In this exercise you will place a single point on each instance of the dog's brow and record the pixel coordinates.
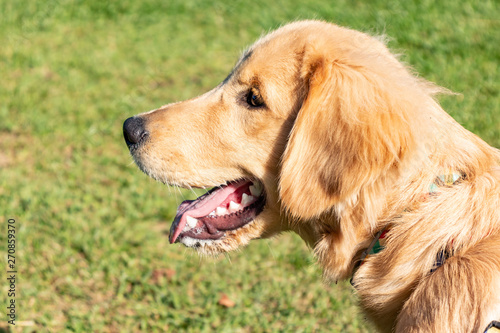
(246, 55)
(244, 58)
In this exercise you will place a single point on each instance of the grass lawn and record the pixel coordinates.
(92, 253)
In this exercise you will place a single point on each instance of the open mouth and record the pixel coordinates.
(225, 208)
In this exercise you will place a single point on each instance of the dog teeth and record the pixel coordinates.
(220, 211)
(212, 214)
(191, 222)
(247, 199)
(256, 189)
(234, 207)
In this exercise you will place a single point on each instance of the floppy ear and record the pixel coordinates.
(350, 130)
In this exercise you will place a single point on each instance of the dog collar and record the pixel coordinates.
(377, 245)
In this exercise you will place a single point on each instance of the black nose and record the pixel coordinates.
(133, 131)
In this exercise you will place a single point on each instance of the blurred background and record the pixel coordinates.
(92, 247)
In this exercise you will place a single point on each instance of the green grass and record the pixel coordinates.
(92, 251)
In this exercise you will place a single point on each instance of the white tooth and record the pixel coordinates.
(220, 211)
(233, 206)
(255, 189)
(191, 222)
(247, 199)
(212, 213)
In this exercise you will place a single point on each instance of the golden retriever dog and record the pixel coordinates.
(322, 131)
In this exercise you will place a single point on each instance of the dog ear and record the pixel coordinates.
(351, 129)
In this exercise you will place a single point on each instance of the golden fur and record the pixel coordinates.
(348, 142)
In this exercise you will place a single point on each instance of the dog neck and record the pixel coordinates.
(378, 242)
(353, 236)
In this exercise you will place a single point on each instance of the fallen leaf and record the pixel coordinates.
(226, 301)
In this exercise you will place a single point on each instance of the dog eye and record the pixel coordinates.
(254, 98)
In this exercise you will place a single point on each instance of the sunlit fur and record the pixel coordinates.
(348, 142)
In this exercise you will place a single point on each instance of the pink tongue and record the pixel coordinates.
(202, 206)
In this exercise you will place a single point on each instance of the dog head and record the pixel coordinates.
(310, 116)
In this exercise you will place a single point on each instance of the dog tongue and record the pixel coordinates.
(200, 207)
